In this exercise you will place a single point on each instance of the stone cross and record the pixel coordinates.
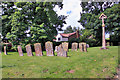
(5, 50)
(29, 50)
(20, 50)
(49, 48)
(38, 49)
(103, 16)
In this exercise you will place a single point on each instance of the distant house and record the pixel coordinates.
(66, 37)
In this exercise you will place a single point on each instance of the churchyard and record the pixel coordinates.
(32, 45)
(94, 63)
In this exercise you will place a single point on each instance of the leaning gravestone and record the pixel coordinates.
(5, 51)
(81, 47)
(29, 50)
(65, 46)
(49, 48)
(38, 49)
(61, 51)
(74, 46)
(20, 50)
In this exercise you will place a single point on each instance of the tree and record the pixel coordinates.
(7, 12)
(69, 29)
(34, 22)
(90, 19)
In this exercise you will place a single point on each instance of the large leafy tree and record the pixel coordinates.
(7, 12)
(34, 22)
(90, 18)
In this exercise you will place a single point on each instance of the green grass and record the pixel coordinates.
(83, 64)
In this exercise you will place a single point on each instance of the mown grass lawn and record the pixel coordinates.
(95, 63)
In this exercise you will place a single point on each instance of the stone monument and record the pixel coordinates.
(49, 48)
(29, 50)
(38, 49)
(74, 46)
(103, 16)
(20, 50)
(65, 46)
(5, 50)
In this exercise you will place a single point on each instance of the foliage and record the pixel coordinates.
(69, 29)
(8, 11)
(90, 21)
(33, 22)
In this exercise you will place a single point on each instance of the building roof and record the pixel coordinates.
(67, 35)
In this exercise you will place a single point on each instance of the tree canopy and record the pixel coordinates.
(90, 19)
(31, 22)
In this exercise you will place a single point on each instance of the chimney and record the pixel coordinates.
(77, 34)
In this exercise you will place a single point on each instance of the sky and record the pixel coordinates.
(72, 9)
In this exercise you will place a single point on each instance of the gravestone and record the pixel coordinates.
(81, 47)
(38, 49)
(5, 50)
(20, 50)
(65, 46)
(74, 46)
(49, 48)
(85, 47)
(29, 50)
(61, 51)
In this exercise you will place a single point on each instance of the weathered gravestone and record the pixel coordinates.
(85, 47)
(38, 49)
(29, 50)
(61, 51)
(20, 50)
(81, 47)
(74, 46)
(65, 46)
(5, 50)
(49, 48)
